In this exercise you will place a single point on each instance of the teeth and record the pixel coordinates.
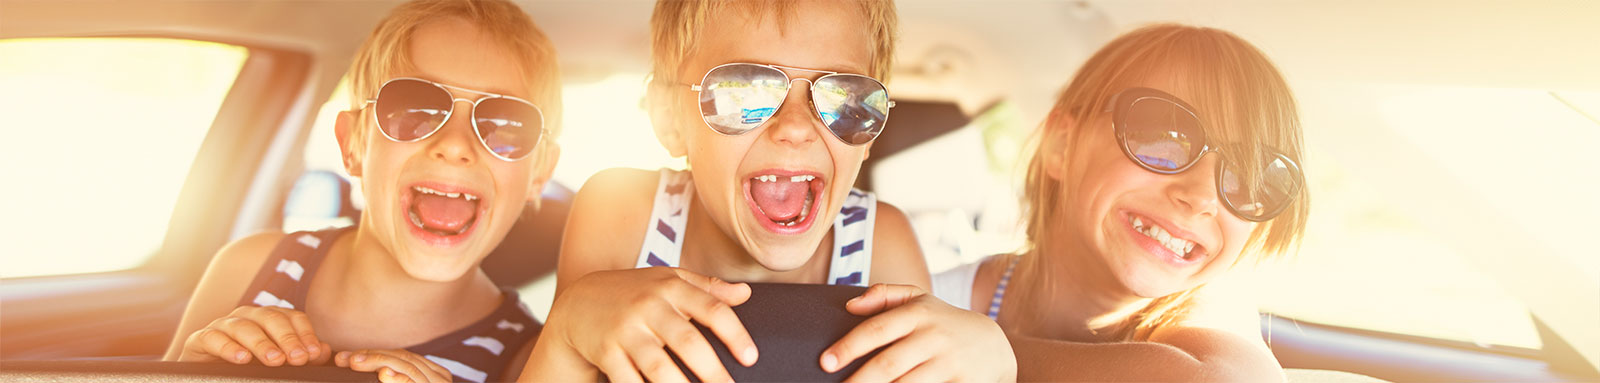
(774, 178)
(426, 190)
(1177, 245)
(802, 178)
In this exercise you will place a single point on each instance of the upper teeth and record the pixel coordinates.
(1177, 245)
(424, 189)
(774, 178)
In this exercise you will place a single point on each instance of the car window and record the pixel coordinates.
(101, 152)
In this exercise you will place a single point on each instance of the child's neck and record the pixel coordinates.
(1080, 303)
(364, 282)
(707, 251)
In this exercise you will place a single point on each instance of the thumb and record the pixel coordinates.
(733, 294)
(882, 297)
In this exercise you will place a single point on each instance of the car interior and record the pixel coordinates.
(1444, 145)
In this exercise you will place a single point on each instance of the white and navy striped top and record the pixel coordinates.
(478, 352)
(852, 230)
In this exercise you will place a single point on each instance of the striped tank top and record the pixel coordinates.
(478, 352)
(852, 230)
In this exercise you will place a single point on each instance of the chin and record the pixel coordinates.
(784, 258)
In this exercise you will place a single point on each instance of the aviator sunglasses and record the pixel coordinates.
(737, 98)
(1162, 134)
(412, 109)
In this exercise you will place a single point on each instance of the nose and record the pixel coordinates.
(1195, 190)
(454, 144)
(795, 124)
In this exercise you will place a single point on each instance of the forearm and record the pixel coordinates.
(1051, 360)
(552, 363)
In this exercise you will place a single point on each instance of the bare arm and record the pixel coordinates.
(230, 273)
(603, 229)
(896, 256)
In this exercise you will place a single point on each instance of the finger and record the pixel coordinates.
(693, 349)
(434, 371)
(342, 359)
(930, 371)
(652, 360)
(719, 317)
(619, 368)
(209, 344)
(280, 328)
(733, 294)
(373, 360)
(893, 362)
(388, 375)
(324, 356)
(249, 334)
(867, 336)
(882, 297)
(302, 327)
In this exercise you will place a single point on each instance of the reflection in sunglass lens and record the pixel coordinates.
(1161, 134)
(737, 98)
(854, 107)
(509, 128)
(408, 110)
(1263, 198)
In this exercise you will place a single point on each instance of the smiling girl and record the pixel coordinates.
(1172, 157)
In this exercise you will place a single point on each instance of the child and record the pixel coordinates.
(453, 103)
(1171, 157)
(775, 104)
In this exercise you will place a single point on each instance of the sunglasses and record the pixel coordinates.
(1162, 134)
(737, 98)
(412, 109)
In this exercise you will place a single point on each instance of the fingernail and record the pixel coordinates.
(313, 348)
(750, 354)
(274, 354)
(828, 361)
(240, 356)
(297, 354)
(361, 357)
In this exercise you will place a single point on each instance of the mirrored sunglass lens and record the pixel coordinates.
(1161, 134)
(408, 110)
(508, 127)
(854, 107)
(1264, 198)
(737, 98)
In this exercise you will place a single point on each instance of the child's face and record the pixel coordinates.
(1110, 191)
(794, 142)
(436, 237)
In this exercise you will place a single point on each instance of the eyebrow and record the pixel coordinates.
(835, 69)
(495, 90)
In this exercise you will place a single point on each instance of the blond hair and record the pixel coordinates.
(676, 24)
(1237, 93)
(387, 51)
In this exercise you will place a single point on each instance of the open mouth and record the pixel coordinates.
(784, 202)
(442, 214)
(1183, 249)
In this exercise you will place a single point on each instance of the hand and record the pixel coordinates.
(272, 335)
(393, 366)
(932, 340)
(619, 321)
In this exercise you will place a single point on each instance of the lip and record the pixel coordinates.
(431, 238)
(1152, 246)
(818, 189)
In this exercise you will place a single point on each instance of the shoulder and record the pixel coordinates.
(1223, 322)
(242, 258)
(605, 228)
(231, 272)
(896, 256)
(986, 279)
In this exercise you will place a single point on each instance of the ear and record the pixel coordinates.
(542, 171)
(343, 126)
(866, 150)
(660, 103)
(1056, 141)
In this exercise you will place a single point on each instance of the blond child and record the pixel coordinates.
(450, 131)
(775, 104)
(1170, 158)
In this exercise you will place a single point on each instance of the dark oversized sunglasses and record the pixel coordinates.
(412, 109)
(737, 98)
(1162, 134)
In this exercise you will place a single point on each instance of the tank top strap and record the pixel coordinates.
(285, 277)
(852, 240)
(669, 218)
(1000, 289)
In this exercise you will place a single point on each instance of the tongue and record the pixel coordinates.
(781, 200)
(444, 213)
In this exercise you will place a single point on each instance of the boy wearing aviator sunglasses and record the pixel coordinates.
(1169, 159)
(450, 136)
(775, 104)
